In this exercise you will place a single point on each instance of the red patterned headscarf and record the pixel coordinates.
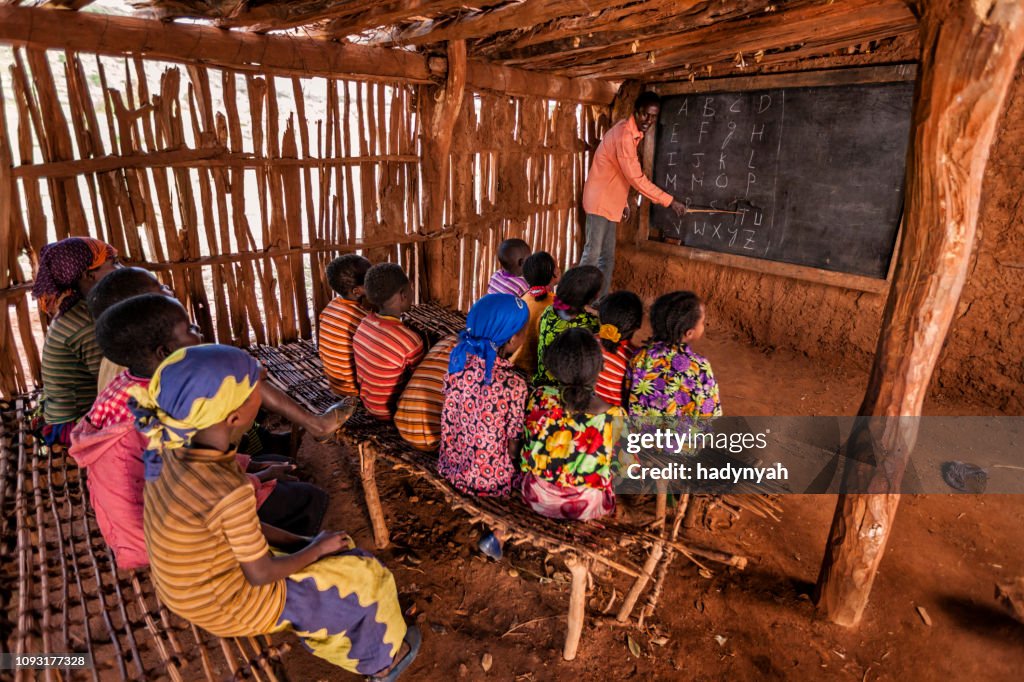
(61, 265)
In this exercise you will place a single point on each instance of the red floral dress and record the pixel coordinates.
(568, 458)
(478, 421)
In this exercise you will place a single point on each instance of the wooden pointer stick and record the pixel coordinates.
(711, 210)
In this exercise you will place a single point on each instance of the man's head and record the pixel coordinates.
(646, 110)
(387, 288)
(140, 332)
(511, 254)
(347, 274)
(120, 285)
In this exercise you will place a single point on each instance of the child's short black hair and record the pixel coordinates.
(119, 285)
(347, 272)
(579, 286)
(674, 314)
(510, 251)
(130, 332)
(623, 310)
(383, 281)
(539, 270)
(574, 359)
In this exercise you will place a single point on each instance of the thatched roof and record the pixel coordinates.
(612, 39)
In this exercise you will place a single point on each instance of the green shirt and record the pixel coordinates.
(71, 363)
(551, 325)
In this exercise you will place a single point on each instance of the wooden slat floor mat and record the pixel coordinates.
(60, 590)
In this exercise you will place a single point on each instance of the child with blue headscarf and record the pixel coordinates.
(210, 557)
(484, 398)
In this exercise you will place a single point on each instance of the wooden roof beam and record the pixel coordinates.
(692, 30)
(617, 26)
(821, 26)
(350, 16)
(487, 22)
(277, 54)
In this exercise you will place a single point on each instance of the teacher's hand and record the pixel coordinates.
(679, 207)
(625, 213)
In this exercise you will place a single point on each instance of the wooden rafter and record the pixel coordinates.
(509, 17)
(279, 54)
(620, 25)
(821, 26)
(345, 16)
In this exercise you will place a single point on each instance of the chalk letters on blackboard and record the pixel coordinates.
(801, 167)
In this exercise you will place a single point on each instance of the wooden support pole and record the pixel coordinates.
(580, 570)
(969, 51)
(368, 475)
(441, 111)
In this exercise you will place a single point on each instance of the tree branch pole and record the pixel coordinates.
(441, 111)
(969, 53)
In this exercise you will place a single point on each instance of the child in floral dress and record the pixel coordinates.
(667, 377)
(577, 289)
(571, 435)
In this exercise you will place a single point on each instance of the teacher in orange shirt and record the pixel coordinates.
(616, 168)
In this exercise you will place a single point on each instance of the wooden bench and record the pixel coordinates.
(641, 553)
(62, 592)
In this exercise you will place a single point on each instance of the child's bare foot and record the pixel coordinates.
(334, 417)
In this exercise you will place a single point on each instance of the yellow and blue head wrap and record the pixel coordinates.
(194, 388)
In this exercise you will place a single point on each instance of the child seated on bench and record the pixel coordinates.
(339, 321)
(508, 279)
(115, 287)
(484, 397)
(139, 333)
(385, 349)
(211, 558)
(67, 271)
(571, 435)
(576, 290)
(125, 283)
(667, 378)
(621, 313)
(418, 415)
(541, 274)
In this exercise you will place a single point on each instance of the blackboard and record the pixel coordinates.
(816, 172)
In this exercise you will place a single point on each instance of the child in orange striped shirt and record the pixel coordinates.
(385, 350)
(339, 321)
(621, 313)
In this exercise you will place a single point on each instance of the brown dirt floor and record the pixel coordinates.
(946, 553)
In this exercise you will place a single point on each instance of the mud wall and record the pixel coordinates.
(982, 362)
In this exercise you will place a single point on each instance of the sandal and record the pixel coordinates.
(342, 412)
(490, 545)
(413, 639)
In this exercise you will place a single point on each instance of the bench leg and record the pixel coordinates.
(580, 570)
(641, 583)
(368, 475)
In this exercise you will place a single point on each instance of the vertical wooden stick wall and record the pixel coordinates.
(238, 187)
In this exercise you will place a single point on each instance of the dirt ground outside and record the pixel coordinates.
(945, 555)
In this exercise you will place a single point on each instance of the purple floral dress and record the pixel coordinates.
(671, 380)
(477, 424)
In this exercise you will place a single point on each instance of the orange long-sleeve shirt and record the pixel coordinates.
(616, 168)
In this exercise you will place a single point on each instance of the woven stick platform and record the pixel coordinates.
(61, 591)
